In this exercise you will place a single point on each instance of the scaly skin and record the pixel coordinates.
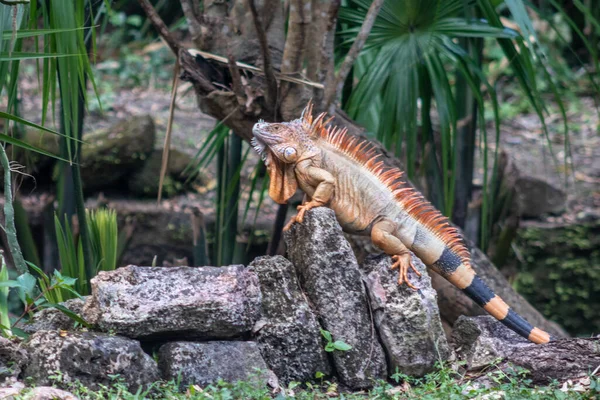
(340, 172)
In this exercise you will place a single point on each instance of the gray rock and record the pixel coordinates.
(178, 302)
(288, 332)
(207, 362)
(109, 155)
(330, 276)
(536, 197)
(13, 359)
(49, 393)
(51, 319)
(91, 358)
(482, 340)
(408, 321)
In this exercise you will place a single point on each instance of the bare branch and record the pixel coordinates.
(160, 26)
(271, 94)
(334, 90)
(192, 20)
(236, 79)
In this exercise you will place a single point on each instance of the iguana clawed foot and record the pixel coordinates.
(302, 209)
(403, 262)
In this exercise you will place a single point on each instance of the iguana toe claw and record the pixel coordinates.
(403, 262)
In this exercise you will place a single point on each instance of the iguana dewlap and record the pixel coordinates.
(339, 171)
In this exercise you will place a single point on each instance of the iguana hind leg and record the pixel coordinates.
(383, 237)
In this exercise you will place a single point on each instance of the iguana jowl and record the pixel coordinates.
(336, 170)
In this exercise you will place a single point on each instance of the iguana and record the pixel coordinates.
(344, 173)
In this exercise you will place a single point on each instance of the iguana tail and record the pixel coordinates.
(460, 274)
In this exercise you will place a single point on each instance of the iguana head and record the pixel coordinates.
(281, 145)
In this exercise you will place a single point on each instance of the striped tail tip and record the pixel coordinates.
(479, 292)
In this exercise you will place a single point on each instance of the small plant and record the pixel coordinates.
(104, 238)
(331, 346)
(4, 288)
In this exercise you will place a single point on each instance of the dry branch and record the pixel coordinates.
(334, 89)
(160, 26)
(272, 89)
(192, 20)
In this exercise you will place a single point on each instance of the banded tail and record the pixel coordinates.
(461, 275)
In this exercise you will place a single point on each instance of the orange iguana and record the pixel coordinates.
(339, 171)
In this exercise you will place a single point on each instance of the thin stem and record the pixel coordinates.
(334, 91)
(9, 215)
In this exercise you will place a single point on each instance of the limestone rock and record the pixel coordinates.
(49, 393)
(178, 302)
(482, 340)
(13, 359)
(92, 358)
(330, 276)
(288, 332)
(51, 319)
(207, 362)
(408, 321)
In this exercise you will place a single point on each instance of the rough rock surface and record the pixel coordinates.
(482, 340)
(562, 359)
(144, 182)
(207, 362)
(12, 359)
(92, 358)
(49, 393)
(536, 197)
(330, 275)
(408, 321)
(178, 302)
(288, 333)
(51, 319)
(128, 143)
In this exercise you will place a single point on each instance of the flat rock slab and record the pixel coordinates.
(407, 320)
(330, 276)
(207, 362)
(92, 358)
(288, 332)
(482, 340)
(179, 302)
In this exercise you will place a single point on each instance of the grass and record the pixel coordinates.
(444, 383)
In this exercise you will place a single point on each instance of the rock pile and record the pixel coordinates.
(318, 313)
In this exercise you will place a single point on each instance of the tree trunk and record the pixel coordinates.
(239, 103)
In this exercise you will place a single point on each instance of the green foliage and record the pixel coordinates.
(104, 237)
(444, 383)
(331, 345)
(559, 274)
(35, 293)
(4, 288)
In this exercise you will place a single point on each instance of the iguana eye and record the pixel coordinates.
(289, 153)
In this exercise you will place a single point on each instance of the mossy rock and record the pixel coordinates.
(560, 273)
(108, 155)
(111, 154)
(144, 182)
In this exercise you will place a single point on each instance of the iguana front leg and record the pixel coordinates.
(323, 183)
(383, 237)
